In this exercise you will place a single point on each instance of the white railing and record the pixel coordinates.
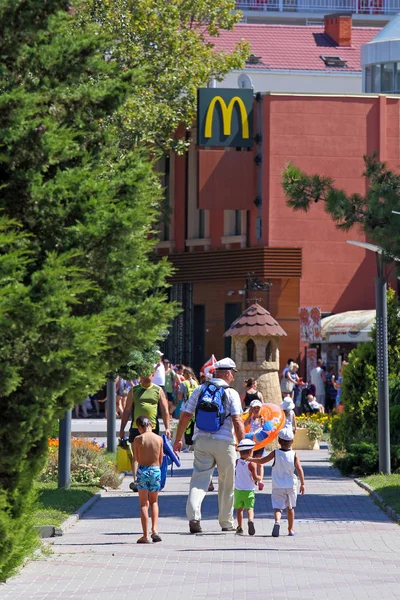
(370, 7)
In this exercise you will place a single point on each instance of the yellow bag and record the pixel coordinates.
(123, 460)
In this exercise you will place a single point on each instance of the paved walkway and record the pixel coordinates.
(345, 548)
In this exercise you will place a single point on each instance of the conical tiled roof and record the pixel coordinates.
(255, 320)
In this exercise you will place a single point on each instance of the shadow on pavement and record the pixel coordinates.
(312, 507)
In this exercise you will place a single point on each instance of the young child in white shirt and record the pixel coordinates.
(245, 479)
(284, 480)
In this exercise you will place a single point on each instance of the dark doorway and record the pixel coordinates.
(199, 335)
(233, 310)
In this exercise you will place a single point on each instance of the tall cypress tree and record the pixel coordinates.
(78, 291)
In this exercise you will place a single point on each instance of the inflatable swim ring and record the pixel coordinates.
(274, 420)
(169, 451)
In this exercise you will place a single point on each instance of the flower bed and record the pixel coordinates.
(90, 464)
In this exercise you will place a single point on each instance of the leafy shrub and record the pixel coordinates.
(323, 419)
(394, 391)
(314, 429)
(89, 464)
(394, 412)
(359, 460)
(362, 459)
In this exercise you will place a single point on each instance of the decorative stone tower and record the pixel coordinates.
(255, 350)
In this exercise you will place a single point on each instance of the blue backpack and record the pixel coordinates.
(210, 410)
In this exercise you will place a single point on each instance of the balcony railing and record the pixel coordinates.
(365, 7)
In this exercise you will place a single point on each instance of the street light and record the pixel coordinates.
(381, 356)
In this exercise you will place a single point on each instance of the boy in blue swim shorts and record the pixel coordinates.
(148, 450)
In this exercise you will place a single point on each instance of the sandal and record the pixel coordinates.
(155, 537)
(143, 540)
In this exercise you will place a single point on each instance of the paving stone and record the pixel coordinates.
(345, 547)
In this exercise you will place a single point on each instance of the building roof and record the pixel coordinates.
(390, 32)
(293, 47)
(255, 320)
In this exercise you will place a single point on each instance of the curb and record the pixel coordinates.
(79, 513)
(378, 499)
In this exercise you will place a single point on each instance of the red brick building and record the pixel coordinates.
(230, 218)
(218, 234)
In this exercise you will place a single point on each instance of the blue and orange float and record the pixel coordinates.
(274, 420)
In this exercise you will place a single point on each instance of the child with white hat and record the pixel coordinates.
(245, 479)
(284, 479)
(287, 405)
(256, 421)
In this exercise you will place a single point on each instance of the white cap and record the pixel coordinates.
(160, 353)
(287, 404)
(225, 364)
(245, 444)
(254, 403)
(286, 434)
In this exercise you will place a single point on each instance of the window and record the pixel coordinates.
(397, 78)
(202, 223)
(376, 78)
(232, 222)
(268, 352)
(165, 221)
(387, 77)
(251, 351)
(238, 222)
(334, 61)
(368, 79)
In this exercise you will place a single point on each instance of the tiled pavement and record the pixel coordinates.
(345, 548)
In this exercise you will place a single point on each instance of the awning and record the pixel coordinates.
(349, 327)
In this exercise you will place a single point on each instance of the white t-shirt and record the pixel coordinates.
(316, 379)
(243, 477)
(159, 375)
(233, 407)
(282, 473)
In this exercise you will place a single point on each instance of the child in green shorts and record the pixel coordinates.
(245, 479)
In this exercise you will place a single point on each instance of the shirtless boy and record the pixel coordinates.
(148, 451)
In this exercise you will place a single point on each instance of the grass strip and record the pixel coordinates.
(388, 487)
(54, 505)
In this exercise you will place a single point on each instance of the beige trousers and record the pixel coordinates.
(208, 453)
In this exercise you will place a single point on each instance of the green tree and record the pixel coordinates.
(359, 421)
(78, 289)
(173, 41)
(372, 212)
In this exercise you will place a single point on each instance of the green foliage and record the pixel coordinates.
(53, 505)
(388, 487)
(394, 416)
(140, 363)
(372, 212)
(314, 428)
(89, 465)
(363, 459)
(174, 42)
(359, 421)
(78, 289)
(360, 459)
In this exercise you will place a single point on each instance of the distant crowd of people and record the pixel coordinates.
(321, 394)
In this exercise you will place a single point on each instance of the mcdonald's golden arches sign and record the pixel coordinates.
(225, 117)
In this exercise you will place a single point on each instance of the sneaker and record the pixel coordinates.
(211, 487)
(195, 527)
(260, 485)
(239, 530)
(251, 528)
(275, 530)
(133, 486)
(230, 528)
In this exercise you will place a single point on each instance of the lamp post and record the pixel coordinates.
(381, 357)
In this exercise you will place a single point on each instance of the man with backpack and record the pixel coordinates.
(217, 409)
